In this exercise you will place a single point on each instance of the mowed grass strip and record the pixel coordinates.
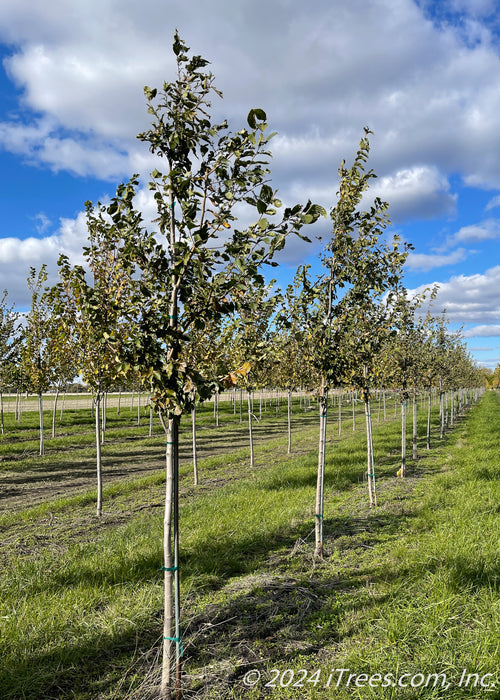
(81, 624)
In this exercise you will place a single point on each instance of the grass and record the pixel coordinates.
(410, 587)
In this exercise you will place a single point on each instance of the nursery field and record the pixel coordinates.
(404, 604)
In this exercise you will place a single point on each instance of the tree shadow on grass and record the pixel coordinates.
(272, 610)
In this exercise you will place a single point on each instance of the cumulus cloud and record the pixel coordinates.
(483, 331)
(470, 298)
(419, 192)
(484, 231)
(424, 261)
(493, 203)
(429, 96)
(17, 256)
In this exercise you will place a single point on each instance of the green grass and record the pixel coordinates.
(409, 587)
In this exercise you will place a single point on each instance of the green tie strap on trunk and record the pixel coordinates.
(177, 640)
(169, 568)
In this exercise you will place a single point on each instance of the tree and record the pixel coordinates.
(92, 312)
(38, 347)
(252, 345)
(403, 359)
(359, 268)
(9, 339)
(197, 267)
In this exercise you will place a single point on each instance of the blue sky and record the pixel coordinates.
(424, 76)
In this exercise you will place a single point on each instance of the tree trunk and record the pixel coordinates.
(250, 432)
(54, 411)
(103, 418)
(353, 412)
(429, 408)
(289, 414)
(195, 455)
(171, 622)
(415, 426)
(403, 438)
(150, 419)
(98, 453)
(318, 529)
(1, 412)
(63, 402)
(139, 406)
(340, 412)
(40, 411)
(372, 490)
(119, 402)
(441, 413)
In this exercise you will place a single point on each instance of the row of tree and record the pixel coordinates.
(185, 309)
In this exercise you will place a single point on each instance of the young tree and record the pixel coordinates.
(38, 347)
(402, 358)
(252, 344)
(360, 267)
(198, 267)
(92, 312)
(9, 338)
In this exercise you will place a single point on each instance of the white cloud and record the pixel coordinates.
(429, 96)
(480, 349)
(17, 256)
(483, 331)
(470, 299)
(486, 230)
(493, 203)
(423, 261)
(419, 192)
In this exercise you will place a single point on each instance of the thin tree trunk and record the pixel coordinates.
(372, 490)
(340, 412)
(195, 454)
(63, 402)
(241, 405)
(353, 412)
(139, 406)
(385, 408)
(103, 417)
(415, 426)
(318, 529)
(441, 413)
(289, 413)
(98, 453)
(250, 432)
(403, 438)
(18, 406)
(54, 411)
(171, 622)
(429, 408)
(119, 402)
(1, 412)
(40, 411)
(150, 420)
(216, 407)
